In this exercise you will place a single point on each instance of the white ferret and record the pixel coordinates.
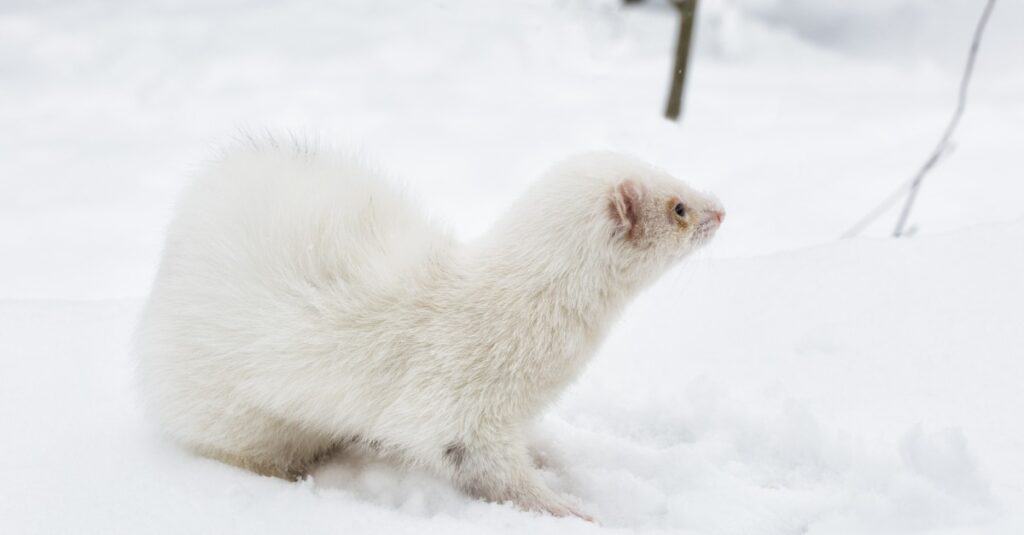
(302, 306)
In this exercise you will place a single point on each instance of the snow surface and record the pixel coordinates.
(781, 382)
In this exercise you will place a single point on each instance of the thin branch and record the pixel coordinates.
(942, 148)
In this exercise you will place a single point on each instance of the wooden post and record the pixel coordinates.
(687, 12)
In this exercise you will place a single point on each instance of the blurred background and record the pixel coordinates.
(800, 115)
(782, 382)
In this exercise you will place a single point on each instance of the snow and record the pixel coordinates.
(783, 381)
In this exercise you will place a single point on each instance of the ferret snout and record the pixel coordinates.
(713, 210)
(711, 219)
(715, 216)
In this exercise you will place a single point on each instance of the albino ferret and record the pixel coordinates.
(303, 305)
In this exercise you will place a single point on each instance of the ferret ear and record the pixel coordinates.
(625, 207)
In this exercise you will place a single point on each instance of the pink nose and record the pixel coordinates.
(719, 215)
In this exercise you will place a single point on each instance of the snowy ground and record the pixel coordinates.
(783, 382)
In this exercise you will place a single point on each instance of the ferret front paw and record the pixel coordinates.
(559, 507)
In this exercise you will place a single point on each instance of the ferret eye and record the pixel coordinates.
(680, 210)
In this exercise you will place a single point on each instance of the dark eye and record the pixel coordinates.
(680, 210)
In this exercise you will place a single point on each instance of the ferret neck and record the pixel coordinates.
(549, 278)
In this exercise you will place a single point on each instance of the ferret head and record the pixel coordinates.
(652, 211)
(639, 216)
(602, 218)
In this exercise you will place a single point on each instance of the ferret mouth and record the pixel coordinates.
(705, 230)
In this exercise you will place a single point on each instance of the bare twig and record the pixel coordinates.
(943, 146)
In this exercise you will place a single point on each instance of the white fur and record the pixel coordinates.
(302, 305)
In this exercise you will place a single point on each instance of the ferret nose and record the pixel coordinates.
(718, 215)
